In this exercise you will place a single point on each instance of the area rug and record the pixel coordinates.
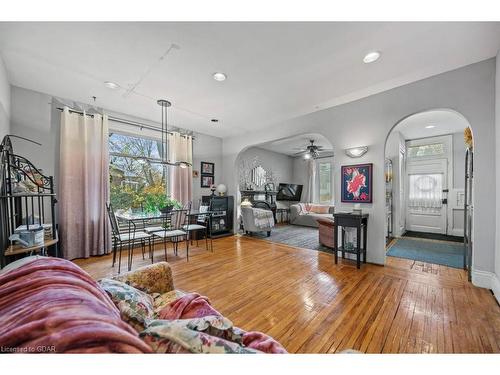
(294, 235)
(445, 253)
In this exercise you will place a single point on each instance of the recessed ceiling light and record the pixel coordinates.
(371, 57)
(430, 126)
(214, 120)
(219, 76)
(111, 85)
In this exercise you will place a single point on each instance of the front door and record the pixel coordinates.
(425, 208)
(427, 179)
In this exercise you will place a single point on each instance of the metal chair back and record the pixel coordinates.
(178, 218)
(115, 229)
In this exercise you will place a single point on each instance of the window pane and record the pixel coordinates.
(426, 150)
(135, 183)
(325, 182)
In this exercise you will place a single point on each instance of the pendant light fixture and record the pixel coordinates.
(164, 104)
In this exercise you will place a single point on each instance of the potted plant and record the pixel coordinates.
(160, 202)
(167, 204)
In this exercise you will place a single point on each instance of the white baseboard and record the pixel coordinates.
(487, 280)
(495, 287)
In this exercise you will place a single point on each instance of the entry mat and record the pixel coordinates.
(445, 253)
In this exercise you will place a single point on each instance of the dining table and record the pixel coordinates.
(132, 218)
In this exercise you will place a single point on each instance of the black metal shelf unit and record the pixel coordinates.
(27, 199)
(221, 221)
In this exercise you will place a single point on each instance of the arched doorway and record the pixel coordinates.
(427, 187)
(283, 173)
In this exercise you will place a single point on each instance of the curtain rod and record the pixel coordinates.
(123, 121)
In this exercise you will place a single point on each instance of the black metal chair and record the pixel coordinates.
(124, 238)
(174, 233)
(202, 225)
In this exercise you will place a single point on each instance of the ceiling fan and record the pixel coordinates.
(313, 151)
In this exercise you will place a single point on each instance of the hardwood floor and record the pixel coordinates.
(309, 304)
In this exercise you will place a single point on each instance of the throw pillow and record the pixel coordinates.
(136, 307)
(210, 334)
(320, 209)
(163, 300)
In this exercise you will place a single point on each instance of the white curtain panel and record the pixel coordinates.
(425, 190)
(84, 185)
(310, 188)
(180, 148)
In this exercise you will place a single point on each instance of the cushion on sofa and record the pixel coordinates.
(200, 335)
(165, 299)
(154, 278)
(136, 307)
(319, 208)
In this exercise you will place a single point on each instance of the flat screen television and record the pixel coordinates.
(289, 192)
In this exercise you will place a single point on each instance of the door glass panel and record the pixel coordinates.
(425, 191)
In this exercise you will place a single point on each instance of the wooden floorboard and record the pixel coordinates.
(309, 304)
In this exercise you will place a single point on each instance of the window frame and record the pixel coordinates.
(331, 176)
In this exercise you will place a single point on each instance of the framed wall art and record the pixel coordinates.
(207, 181)
(207, 168)
(357, 183)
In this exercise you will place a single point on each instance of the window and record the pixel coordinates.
(325, 183)
(426, 150)
(134, 182)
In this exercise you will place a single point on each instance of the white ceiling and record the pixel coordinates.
(290, 146)
(444, 121)
(275, 71)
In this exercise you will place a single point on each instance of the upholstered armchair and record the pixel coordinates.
(326, 231)
(257, 220)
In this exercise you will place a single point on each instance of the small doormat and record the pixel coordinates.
(445, 253)
(433, 236)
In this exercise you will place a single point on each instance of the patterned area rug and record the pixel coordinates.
(438, 252)
(294, 235)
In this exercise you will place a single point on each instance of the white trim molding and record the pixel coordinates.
(487, 280)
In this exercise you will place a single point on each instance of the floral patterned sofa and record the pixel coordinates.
(173, 321)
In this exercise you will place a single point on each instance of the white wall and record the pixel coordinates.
(31, 117)
(4, 101)
(209, 149)
(280, 164)
(496, 276)
(468, 90)
(34, 115)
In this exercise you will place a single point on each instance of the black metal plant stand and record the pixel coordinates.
(23, 207)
